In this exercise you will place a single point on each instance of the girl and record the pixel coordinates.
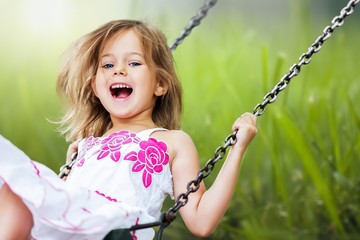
(124, 102)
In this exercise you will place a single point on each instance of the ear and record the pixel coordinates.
(93, 85)
(161, 89)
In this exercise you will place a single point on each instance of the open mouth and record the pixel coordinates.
(120, 90)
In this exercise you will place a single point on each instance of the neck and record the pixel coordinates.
(132, 126)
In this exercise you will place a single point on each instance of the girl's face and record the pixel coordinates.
(124, 83)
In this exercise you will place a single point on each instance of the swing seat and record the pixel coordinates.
(124, 233)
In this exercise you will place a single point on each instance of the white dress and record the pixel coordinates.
(117, 182)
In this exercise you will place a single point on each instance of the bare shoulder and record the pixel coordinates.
(172, 135)
(174, 138)
(178, 141)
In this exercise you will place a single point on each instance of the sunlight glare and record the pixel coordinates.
(44, 15)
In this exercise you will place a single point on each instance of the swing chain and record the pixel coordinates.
(305, 58)
(194, 185)
(65, 169)
(270, 97)
(194, 21)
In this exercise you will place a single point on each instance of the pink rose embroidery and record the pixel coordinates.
(81, 162)
(150, 159)
(112, 144)
(89, 143)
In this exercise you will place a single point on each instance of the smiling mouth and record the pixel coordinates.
(120, 90)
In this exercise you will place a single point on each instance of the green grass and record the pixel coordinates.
(299, 178)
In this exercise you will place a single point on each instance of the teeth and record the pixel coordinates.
(119, 86)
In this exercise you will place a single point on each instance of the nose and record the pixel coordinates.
(121, 71)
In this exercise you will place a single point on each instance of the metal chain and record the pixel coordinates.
(194, 185)
(65, 169)
(194, 21)
(305, 58)
(270, 97)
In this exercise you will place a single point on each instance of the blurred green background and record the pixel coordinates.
(300, 177)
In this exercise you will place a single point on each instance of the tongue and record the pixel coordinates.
(123, 93)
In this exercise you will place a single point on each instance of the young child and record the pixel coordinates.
(124, 106)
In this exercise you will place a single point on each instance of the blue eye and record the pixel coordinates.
(134, 64)
(108, 65)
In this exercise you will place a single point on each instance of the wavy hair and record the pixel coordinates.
(85, 115)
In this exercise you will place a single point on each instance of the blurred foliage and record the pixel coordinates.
(299, 178)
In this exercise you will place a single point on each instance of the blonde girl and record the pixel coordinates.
(124, 108)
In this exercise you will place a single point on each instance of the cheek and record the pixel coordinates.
(94, 85)
(98, 84)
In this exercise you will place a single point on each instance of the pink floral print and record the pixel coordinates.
(150, 159)
(89, 143)
(113, 143)
(81, 162)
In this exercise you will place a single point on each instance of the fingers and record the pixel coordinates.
(245, 119)
(251, 117)
(246, 129)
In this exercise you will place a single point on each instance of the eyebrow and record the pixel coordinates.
(127, 54)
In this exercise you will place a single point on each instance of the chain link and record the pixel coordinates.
(305, 58)
(65, 169)
(194, 21)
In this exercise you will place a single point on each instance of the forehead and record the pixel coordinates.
(123, 41)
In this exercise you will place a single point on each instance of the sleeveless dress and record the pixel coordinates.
(118, 181)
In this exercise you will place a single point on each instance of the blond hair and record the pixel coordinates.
(85, 115)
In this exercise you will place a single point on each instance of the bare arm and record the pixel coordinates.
(205, 208)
